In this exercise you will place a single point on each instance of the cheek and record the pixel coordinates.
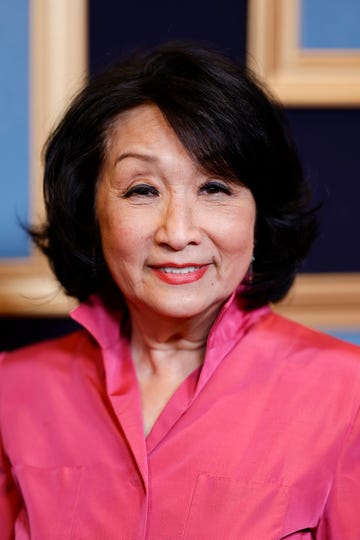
(235, 236)
(125, 245)
(122, 242)
(117, 231)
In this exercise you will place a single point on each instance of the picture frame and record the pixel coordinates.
(299, 76)
(324, 301)
(57, 69)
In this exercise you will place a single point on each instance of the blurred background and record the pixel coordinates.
(327, 136)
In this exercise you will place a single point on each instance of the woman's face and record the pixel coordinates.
(176, 240)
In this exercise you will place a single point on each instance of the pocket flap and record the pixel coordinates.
(233, 509)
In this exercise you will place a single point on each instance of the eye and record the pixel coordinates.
(141, 190)
(212, 187)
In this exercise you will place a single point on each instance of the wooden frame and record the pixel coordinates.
(298, 76)
(324, 301)
(58, 65)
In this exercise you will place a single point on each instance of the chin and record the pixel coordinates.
(186, 308)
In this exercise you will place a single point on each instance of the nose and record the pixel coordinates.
(177, 228)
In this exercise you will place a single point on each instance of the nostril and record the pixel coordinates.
(177, 234)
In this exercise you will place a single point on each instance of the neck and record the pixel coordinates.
(165, 344)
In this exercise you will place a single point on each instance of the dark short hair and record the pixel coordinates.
(229, 125)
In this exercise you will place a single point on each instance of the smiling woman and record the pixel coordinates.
(176, 210)
(184, 227)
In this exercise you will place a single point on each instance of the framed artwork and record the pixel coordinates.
(307, 51)
(308, 54)
(43, 57)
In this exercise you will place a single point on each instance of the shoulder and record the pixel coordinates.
(316, 376)
(50, 355)
(297, 335)
(310, 353)
(305, 355)
(35, 377)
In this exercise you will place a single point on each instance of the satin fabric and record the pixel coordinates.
(261, 443)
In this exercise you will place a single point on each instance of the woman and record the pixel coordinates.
(184, 408)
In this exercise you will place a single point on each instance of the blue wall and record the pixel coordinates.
(328, 24)
(352, 337)
(14, 126)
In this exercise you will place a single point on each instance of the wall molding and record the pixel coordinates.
(58, 68)
(324, 300)
(297, 76)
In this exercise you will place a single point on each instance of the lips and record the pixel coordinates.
(175, 274)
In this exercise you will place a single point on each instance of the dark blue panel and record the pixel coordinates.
(328, 142)
(17, 332)
(117, 28)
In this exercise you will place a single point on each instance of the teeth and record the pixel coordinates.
(186, 270)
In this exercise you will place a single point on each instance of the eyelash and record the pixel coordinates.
(214, 187)
(143, 190)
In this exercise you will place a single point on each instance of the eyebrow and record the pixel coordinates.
(135, 155)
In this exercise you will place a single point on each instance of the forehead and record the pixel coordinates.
(145, 130)
(138, 125)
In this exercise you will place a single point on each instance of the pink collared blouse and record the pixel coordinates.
(261, 443)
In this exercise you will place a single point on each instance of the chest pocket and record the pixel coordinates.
(50, 498)
(78, 503)
(224, 508)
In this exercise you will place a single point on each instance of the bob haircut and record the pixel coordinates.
(228, 124)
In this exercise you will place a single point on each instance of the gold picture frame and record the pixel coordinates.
(300, 77)
(58, 67)
(324, 300)
(297, 76)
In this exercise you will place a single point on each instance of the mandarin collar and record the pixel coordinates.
(105, 324)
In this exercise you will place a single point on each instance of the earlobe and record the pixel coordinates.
(249, 277)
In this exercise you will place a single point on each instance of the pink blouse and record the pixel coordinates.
(261, 443)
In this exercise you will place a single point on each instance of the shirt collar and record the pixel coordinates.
(101, 321)
(104, 323)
